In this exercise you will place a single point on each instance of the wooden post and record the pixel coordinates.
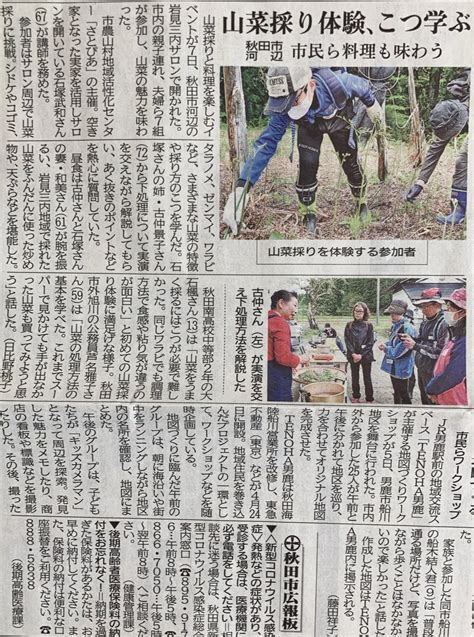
(236, 119)
(417, 137)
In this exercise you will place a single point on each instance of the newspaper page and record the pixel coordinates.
(235, 297)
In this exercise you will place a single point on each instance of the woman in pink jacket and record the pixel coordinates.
(448, 385)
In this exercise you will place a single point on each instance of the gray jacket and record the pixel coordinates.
(459, 89)
(432, 158)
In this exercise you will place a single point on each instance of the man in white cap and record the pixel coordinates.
(319, 100)
(432, 337)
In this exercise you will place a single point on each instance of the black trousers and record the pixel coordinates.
(366, 373)
(411, 384)
(424, 377)
(401, 390)
(310, 138)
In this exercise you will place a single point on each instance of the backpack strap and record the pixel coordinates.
(334, 85)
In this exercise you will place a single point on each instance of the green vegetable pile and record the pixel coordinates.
(313, 376)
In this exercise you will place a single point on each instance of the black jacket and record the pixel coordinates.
(432, 337)
(359, 338)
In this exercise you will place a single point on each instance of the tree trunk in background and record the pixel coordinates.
(236, 119)
(435, 79)
(311, 314)
(382, 164)
(417, 137)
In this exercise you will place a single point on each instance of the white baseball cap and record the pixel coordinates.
(283, 83)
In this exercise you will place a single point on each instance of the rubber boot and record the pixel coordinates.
(361, 210)
(310, 223)
(457, 215)
(307, 208)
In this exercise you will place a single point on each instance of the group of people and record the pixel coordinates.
(319, 101)
(436, 351)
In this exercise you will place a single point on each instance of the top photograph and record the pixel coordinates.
(344, 152)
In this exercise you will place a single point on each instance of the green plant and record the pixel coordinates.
(357, 225)
(305, 210)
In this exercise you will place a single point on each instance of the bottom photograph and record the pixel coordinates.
(368, 340)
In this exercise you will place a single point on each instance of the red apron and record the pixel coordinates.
(457, 395)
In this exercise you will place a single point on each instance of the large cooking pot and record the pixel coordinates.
(325, 393)
(339, 375)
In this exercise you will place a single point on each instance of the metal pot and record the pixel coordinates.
(325, 393)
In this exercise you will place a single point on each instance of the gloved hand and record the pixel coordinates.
(414, 191)
(234, 209)
(375, 112)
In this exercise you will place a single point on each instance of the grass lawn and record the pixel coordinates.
(339, 323)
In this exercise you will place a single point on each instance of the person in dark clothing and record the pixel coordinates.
(359, 338)
(448, 119)
(280, 359)
(431, 339)
(448, 385)
(330, 332)
(318, 102)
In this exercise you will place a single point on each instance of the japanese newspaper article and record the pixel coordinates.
(235, 339)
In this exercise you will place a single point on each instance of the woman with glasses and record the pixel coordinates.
(359, 338)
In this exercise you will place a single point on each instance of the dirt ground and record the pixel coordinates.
(383, 392)
(272, 208)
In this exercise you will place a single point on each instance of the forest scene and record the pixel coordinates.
(335, 297)
(272, 209)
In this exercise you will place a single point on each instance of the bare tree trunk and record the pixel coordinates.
(236, 119)
(417, 137)
(435, 78)
(311, 317)
(382, 165)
